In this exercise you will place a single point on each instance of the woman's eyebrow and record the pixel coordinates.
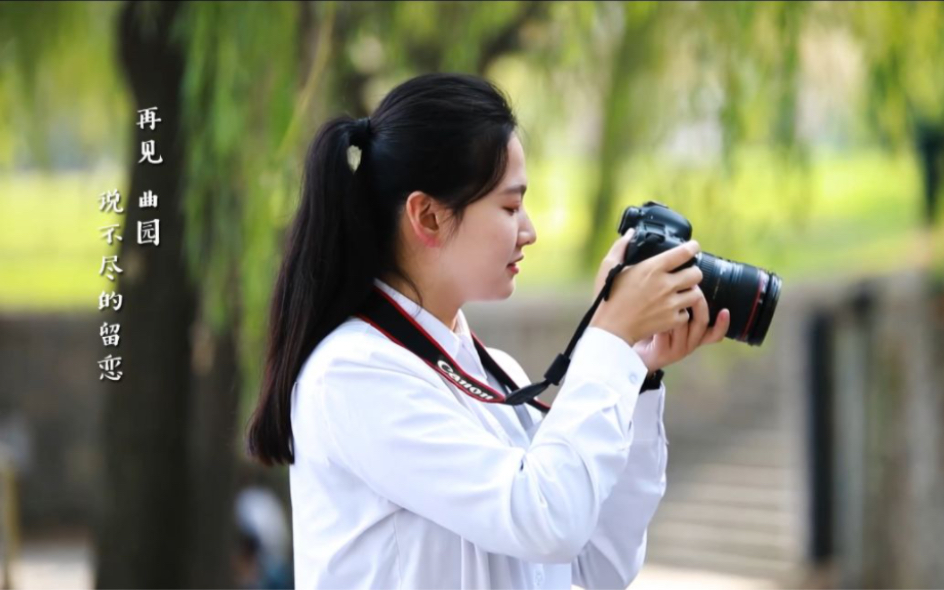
(518, 188)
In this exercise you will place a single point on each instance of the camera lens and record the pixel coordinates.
(748, 292)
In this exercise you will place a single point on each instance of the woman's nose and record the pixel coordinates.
(528, 234)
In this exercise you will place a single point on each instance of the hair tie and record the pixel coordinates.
(360, 135)
(361, 130)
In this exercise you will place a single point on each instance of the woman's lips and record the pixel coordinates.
(514, 265)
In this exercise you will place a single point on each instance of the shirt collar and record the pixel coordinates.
(450, 341)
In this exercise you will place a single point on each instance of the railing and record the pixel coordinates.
(877, 421)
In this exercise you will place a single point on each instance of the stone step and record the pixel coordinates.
(759, 419)
(722, 448)
(730, 495)
(730, 505)
(761, 519)
(748, 476)
(714, 437)
(746, 455)
(734, 541)
(712, 559)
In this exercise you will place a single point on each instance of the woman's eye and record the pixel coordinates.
(511, 209)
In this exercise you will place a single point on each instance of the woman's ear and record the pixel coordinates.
(426, 218)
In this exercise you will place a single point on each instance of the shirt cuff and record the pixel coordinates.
(610, 357)
(612, 369)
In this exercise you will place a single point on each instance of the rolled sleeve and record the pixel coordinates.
(616, 551)
(611, 358)
(616, 370)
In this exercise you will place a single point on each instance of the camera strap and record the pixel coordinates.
(555, 373)
(383, 313)
(390, 319)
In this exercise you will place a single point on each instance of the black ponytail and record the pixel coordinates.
(443, 134)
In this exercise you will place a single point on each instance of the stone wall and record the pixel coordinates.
(50, 413)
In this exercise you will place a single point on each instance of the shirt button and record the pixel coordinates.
(633, 378)
(539, 578)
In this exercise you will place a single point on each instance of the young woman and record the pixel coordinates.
(399, 478)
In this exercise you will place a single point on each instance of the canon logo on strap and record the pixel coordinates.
(391, 320)
(451, 373)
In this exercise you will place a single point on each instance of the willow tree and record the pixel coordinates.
(902, 48)
(661, 59)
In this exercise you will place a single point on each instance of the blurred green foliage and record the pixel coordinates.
(51, 246)
(863, 218)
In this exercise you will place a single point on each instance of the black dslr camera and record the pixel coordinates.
(750, 293)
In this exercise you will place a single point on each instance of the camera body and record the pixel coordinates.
(658, 229)
(750, 293)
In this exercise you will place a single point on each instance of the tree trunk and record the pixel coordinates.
(214, 410)
(629, 58)
(930, 147)
(170, 423)
(143, 521)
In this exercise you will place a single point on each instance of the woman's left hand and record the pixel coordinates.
(670, 347)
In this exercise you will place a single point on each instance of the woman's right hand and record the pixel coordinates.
(648, 298)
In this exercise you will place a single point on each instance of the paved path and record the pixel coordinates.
(66, 564)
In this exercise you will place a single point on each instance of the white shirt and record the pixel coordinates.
(402, 481)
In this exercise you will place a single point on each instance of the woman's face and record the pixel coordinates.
(479, 258)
